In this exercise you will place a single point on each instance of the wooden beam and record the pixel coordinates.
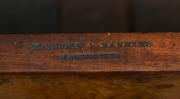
(89, 52)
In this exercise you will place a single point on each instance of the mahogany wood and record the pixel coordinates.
(17, 54)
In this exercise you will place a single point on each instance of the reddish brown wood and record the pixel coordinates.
(121, 85)
(16, 54)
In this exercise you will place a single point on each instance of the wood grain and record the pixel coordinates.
(123, 85)
(16, 54)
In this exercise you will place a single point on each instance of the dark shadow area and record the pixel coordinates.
(27, 16)
(45, 16)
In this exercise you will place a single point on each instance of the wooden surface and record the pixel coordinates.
(17, 54)
(127, 85)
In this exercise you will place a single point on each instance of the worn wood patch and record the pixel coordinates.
(89, 52)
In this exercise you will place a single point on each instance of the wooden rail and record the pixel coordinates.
(89, 52)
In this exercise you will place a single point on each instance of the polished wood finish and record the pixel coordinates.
(16, 54)
(124, 85)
